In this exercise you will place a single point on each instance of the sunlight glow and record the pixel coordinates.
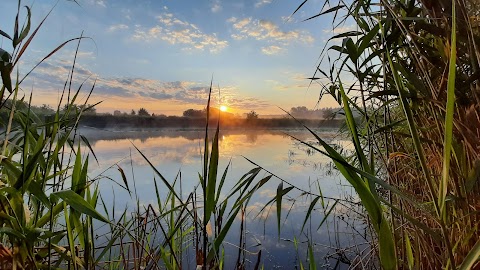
(223, 108)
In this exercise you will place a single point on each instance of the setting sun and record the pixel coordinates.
(223, 108)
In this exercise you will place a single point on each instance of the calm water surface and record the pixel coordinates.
(174, 151)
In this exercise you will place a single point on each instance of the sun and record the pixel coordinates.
(223, 108)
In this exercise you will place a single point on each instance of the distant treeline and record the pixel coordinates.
(191, 118)
(128, 121)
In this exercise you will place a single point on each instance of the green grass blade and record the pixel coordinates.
(222, 181)
(223, 233)
(77, 168)
(327, 215)
(165, 182)
(369, 201)
(278, 199)
(87, 142)
(409, 252)
(70, 236)
(471, 258)
(450, 108)
(309, 211)
(212, 178)
(353, 129)
(25, 30)
(413, 130)
(79, 204)
(124, 178)
(311, 257)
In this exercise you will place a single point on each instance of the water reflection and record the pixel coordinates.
(174, 151)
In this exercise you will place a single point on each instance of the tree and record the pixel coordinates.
(194, 113)
(252, 115)
(300, 112)
(328, 114)
(89, 109)
(143, 112)
(133, 112)
(43, 110)
(75, 108)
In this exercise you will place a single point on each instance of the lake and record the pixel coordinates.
(338, 243)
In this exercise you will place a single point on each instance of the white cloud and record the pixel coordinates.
(102, 3)
(127, 13)
(50, 76)
(263, 30)
(267, 30)
(261, 3)
(242, 23)
(270, 50)
(216, 6)
(232, 19)
(117, 27)
(178, 32)
(340, 29)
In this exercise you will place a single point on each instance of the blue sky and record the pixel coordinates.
(162, 54)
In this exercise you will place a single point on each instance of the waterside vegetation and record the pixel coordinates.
(411, 68)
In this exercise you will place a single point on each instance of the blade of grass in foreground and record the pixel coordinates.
(311, 257)
(278, 199)
(212, 178)
(373, 206)
(309, 211)
(420, 152)
(448, 137)
(471, 257)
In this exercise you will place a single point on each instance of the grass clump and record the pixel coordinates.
(412, 71)
(47, 201)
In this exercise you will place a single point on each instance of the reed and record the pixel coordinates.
(412, 68)
(47, 200)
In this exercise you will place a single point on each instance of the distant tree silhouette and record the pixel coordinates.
(328, 113)
(143, 112)
(24, 106)
(44, 109)
(133, 112)
(85, 109)
(303, 112)
(252, 115)
(194, 113)
(300, 111)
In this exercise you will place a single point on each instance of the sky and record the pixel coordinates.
(162, 54)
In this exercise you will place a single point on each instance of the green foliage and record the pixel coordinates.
(412, 71)
(37, 150)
